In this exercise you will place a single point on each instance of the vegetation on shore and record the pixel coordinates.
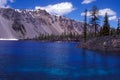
(106, 43)
(106, 38)
(99, 31)
(63, 37)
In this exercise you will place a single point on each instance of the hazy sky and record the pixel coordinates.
(70, 8)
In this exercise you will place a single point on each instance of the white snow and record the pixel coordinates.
(18, 10)
(35, 22)
(10, 39)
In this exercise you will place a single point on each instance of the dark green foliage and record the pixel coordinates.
(118, 31)
(71, 36)
(95, 18)
(63, 37)
(85, 26)
(106, 26)
(100, 32)
(118, 28)
(112, 32)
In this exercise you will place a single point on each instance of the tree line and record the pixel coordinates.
(104, 30)
(65, 36)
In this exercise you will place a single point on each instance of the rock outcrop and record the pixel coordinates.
(22, 24)
(108, 43)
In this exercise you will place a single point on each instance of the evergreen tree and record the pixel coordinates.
(106, 26)
(100, 32)
(118, 28)
(85, 26)
(95, 18)
(112, 32)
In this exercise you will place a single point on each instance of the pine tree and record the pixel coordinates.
(112, 32)
(106, 26)
(85, 26)
(95, 18)
(100, 32)
(118, 28)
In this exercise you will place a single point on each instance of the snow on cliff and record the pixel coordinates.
(22, 24)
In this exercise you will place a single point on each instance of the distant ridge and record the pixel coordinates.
(24, 24)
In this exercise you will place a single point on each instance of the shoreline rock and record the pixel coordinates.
(108, 43)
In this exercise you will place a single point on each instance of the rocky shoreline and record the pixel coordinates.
(108, 43)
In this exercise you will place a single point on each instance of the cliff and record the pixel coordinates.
(23, 24)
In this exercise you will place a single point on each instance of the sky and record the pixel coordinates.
(73, 9)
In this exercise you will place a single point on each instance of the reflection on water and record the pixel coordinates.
(55, 61)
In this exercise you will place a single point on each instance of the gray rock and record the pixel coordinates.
(108, 43)
(35, 22)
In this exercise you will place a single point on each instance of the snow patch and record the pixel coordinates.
(12, 39)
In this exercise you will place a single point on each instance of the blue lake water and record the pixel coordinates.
(31, 60)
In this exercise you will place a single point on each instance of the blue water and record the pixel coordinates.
(30, 60)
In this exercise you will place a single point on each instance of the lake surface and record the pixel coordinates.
(30, 60)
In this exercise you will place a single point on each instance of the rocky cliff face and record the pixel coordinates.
(22, 24)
